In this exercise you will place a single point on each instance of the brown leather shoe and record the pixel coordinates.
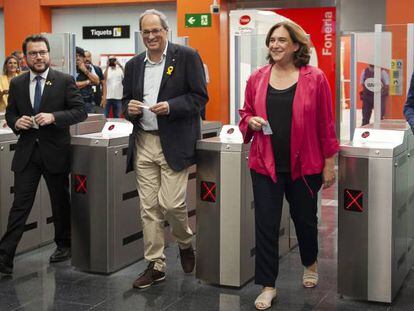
(187, 259)
(149, 277)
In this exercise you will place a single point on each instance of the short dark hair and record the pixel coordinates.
(14, 53)
(80, 51)
(7, 60)
(35, 38)
(302, 56)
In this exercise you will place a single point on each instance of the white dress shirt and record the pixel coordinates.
(152, 83)
(32, 85)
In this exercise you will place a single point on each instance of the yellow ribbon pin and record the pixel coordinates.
(170, 70)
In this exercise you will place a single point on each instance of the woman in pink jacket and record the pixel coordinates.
(288, 113)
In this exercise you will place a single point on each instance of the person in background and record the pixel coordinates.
(113, 75)
(164, 91)
(288, 113)
(42, 105)
(367, 95)
(85, 79)
(22, 62)
(97, 89)
(10, 70)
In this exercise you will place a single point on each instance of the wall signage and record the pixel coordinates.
(198, 20)
(106, 32)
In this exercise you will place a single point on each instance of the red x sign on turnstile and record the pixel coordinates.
(353, 200)
(80, 183)
(208, 191)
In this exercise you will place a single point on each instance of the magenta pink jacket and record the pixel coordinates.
(313, 137)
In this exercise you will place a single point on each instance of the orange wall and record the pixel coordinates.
(1, 4)
(60, 3)
(31, 18)
(213, 46)
(399, 12)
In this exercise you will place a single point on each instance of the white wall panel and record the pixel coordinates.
(73, 19)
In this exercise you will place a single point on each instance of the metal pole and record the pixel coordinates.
(353, 86)
(136, 42)
(377, 74)
(234, 116)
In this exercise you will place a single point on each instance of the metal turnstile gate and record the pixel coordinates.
(225, 213)
(106, 230)
(208, 129)
(375, 217)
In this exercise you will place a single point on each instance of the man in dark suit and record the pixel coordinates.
(164, 90)
(42, 104)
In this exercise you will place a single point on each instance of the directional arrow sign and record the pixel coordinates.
(198, 20)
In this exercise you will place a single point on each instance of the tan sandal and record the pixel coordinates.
(265, 299)
(310, 278)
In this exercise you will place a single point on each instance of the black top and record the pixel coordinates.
(86, 92)
(279, 113)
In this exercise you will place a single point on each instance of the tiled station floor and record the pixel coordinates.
(37, 285)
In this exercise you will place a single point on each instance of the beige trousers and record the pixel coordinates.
(162, 196)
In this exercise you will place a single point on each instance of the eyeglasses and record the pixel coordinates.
(154, 32)
(33, 54)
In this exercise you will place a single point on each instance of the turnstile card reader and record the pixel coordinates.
(373, 215)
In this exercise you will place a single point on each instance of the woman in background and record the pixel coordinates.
(10, 70)
(288, 114)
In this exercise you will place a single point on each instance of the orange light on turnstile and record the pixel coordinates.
(353, 200)
(80, 183)
(208, 191)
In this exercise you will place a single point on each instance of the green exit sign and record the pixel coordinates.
(198, 20)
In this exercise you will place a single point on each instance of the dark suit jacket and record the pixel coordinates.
(186, 93)
(62, 98)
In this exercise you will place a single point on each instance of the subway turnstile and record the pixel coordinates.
(225, 213)
(106, 230)
(94, 123)
(208, 129)
(32, 236)
(375, 217)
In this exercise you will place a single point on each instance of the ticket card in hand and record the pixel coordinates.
(267, 130)
(34, 123)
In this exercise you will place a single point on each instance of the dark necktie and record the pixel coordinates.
(38, 94)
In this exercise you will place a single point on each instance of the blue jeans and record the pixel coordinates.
(116, 105)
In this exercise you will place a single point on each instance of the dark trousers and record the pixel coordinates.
(368, 106)
(268, 199)
(26, 183)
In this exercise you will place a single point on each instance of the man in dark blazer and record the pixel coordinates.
(164, 90)
(42, 104)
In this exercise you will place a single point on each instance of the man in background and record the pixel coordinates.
(97, 89)
(114, 74)
(22, 62)
(85, 79)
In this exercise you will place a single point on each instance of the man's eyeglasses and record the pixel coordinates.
(33, 54)
(154, 32)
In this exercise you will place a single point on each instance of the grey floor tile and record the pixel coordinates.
(11, 302)
(134, 300)
(52, 305)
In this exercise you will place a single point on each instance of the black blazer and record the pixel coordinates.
(62, 98)
(183, 85)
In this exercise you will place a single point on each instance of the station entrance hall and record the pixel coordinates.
(215, 155)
